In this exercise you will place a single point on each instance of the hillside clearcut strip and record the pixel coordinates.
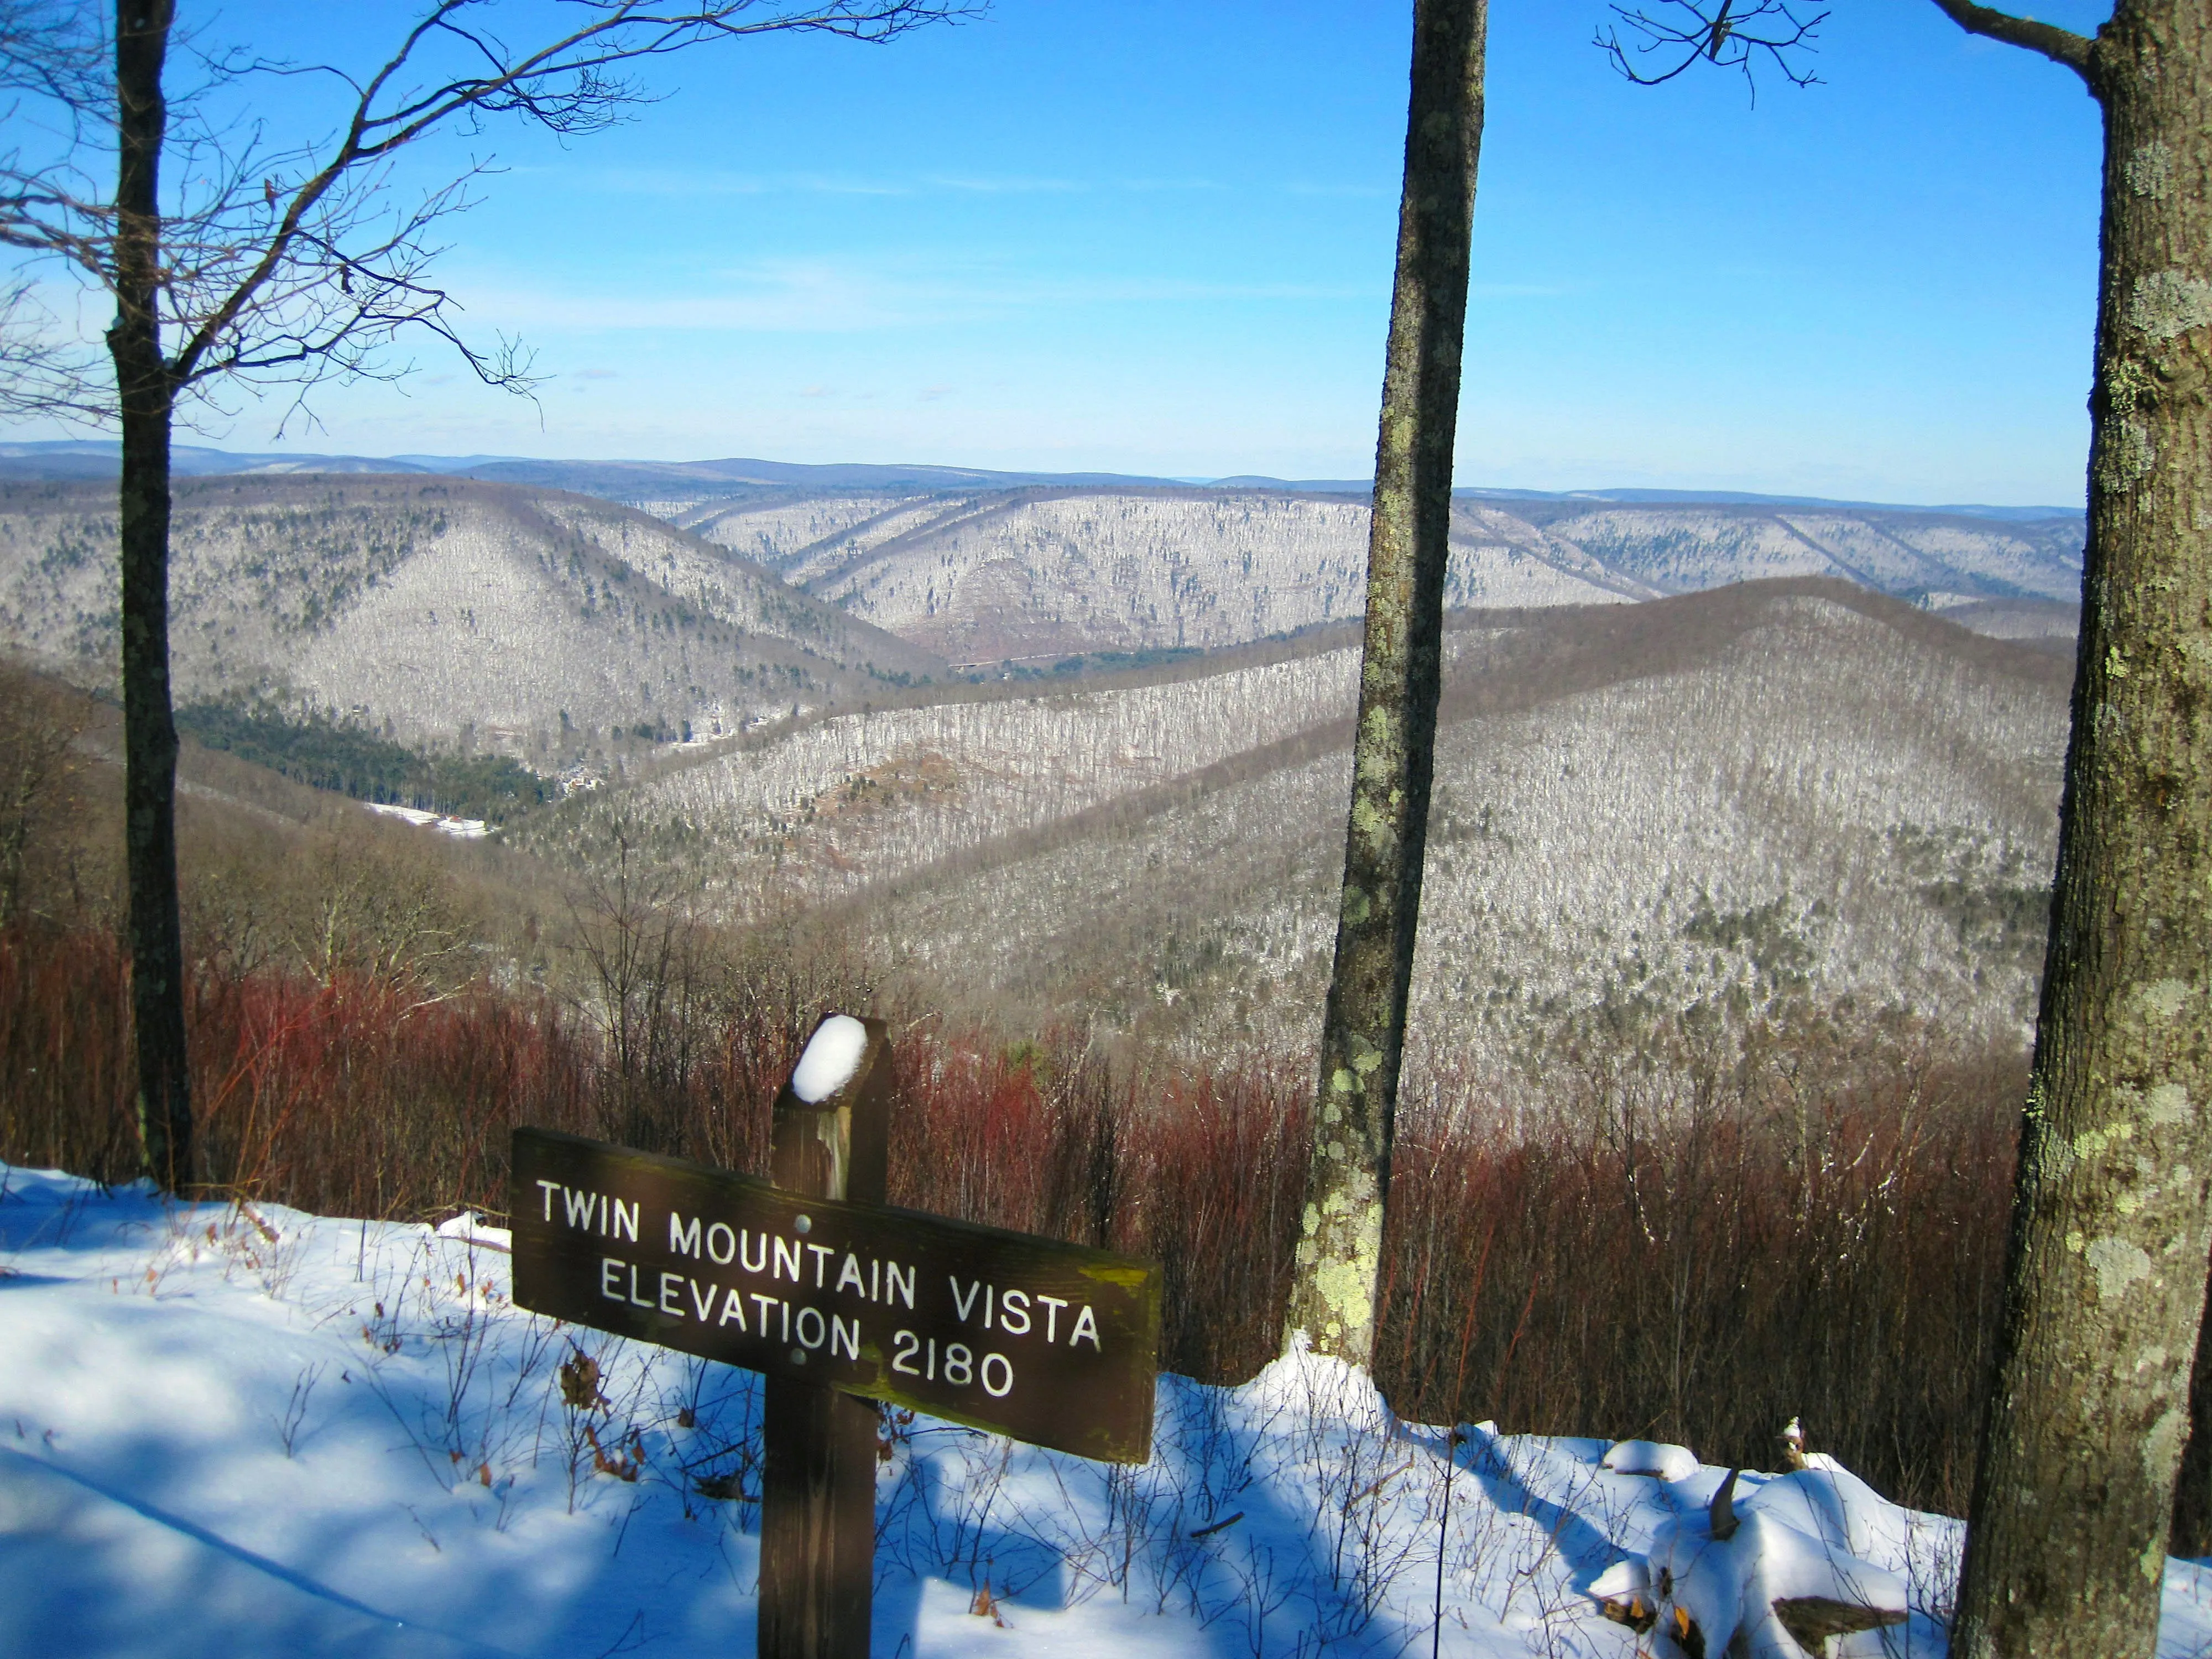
(1052, 1343)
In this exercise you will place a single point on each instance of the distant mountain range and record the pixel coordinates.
(1777, 794)
(445, 612)
(994, 575)
(648, 597)
(1687, 760)
(619, 480)
(616, 480)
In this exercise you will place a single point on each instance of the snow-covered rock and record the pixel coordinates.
(1770, 1575)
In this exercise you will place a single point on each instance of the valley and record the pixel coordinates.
(1734, 907)
(1693, 763)
(1777, 796)
(444, 612)
(1031, 574)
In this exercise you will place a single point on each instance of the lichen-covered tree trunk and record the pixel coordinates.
(1333, 1294)
(146, 394)
(2106, 1267)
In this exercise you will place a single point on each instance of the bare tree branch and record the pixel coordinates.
(2059, 46)
(53, 54)
(42, 372)
(291, 263)
(1738, 34)
(229, 259)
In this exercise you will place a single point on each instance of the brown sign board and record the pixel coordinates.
(1050, 1343)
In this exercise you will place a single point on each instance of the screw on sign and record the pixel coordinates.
(841, 1300)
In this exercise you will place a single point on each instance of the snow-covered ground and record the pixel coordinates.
(462, 829)
(233, 1432)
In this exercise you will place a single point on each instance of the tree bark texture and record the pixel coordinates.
(2106, 1268)
(149, 733)
(1333, 1290)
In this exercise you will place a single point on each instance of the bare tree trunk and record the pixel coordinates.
(2106, 1269)
(1333, 1294)
(149, 733)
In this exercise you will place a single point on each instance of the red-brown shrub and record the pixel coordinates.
(1686, 1251)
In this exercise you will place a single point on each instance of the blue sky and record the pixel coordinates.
(1155, 238)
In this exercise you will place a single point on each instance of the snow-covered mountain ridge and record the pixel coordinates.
(1777, 792)
(983, 576)
(443, 610)
(949, 568)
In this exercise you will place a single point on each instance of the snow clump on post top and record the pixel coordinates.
(832, 1055)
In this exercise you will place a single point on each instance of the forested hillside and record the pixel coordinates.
(441, 611)
(1768, 795)
(986, 570)
(1776, 796)
(984, 576)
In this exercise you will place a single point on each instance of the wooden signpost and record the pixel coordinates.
(842, 1301)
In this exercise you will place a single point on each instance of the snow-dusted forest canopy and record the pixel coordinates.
(1774, 793)
(1657, 789)
(442, 612)
(981, 576)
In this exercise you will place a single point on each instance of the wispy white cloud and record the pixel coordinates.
(1014, 186)
(692, 183)
(972, 185)
(823, 296)
(1171, 290)
(1360, 193)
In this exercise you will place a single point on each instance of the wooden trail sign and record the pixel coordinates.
(1050, 1343)
(838, 1300)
